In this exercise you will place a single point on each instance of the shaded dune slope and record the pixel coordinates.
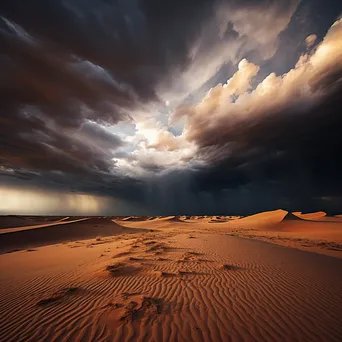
(218, 219)
(49, 235)
(11, 221)
(177, 219)
(14, 221)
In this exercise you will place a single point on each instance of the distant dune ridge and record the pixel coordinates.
(177, 219)
(268, 217)
(47, 235)
(277, 216)
(10, 221)
(137, 218)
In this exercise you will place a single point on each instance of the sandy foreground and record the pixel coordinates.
(172, 278)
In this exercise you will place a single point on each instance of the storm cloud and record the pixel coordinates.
(76, 76)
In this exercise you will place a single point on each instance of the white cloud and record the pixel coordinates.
(155, 148)
(255, 29)
(226, 105)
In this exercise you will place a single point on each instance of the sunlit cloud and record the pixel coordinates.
(228, 105)
(310, 40)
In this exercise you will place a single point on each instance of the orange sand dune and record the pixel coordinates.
(177, 219)
(155, 222)
(278, 226)
(321, 235)
(164, 218)
(169, 286)
(319, 216)
(266, 218)
(128, 218)
(323, 229)
(135, 218)
(215, 219)
(311, 216)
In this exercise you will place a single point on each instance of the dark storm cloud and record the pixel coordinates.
(290, 162)
(284, 150)
(45, 104)
(68, 66)
(136, 41)
(233, 120)
(311, 17)
(278, 143)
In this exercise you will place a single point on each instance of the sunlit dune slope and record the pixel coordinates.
(311, 216)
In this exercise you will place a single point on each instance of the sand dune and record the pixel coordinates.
(133, 218)
(278, 227)
(152, 218)
(266, 218)
(221, 219)
(167, 287)
(164, 279)
(29, 237)
(278, 216)
(216, 220)
(157, 221)
(177, 219)
(42, 225)
(138, 218)
(321, 235)
(311, 216)
(11, 221)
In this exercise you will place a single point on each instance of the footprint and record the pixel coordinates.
(229, 267)
(119, 255)
(59, 295)
(122, 269)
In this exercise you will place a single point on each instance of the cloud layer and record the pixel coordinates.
(232, 111)
(130, 99)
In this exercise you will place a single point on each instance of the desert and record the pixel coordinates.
(170, 171)
(272, 276)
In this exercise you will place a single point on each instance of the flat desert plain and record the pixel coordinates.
(273, 276)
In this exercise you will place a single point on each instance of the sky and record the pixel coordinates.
(148, 107)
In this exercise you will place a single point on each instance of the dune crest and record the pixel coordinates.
(310, 216)
(265, 218)
(49, 234)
